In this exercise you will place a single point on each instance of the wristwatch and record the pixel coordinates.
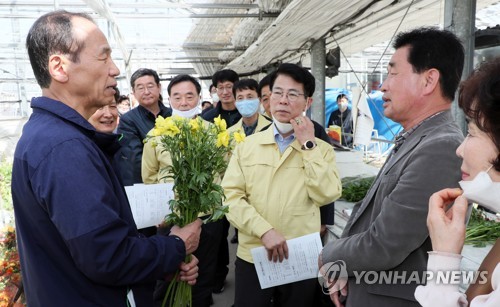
(308, 145)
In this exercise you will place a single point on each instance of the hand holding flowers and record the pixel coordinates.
(198, 151)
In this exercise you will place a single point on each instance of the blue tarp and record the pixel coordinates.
(386, 128)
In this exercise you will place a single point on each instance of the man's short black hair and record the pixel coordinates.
(245, 84)
(434, 48)
(340, 96)
(52, 34)
(205, 102)
(183, 78)
(141, 72)
(123, 98)
(266, 81)
(223, 76)
(297, 73)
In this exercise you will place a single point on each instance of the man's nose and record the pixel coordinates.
(383, 87)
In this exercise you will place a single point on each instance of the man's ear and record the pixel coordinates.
(309, 102)
(431, 81)
(58, 68)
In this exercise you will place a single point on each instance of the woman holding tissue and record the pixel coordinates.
(480, 100)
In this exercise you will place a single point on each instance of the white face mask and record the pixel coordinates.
(343, 106)
(262, 110)
(186, 114)
(215, 97)
(283, 128)
(483, 190)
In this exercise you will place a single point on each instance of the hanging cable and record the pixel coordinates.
(363, 85)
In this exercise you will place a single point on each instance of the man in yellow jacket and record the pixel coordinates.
(184, 96)
(275, 183)
(247, 103)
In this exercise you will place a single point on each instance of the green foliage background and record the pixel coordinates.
(481, 230)
(5, 181)
(354, 189)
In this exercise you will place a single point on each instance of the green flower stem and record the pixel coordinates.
(178, 292)
(196, 161)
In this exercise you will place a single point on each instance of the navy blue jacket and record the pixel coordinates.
(78, 243)
(134, 126)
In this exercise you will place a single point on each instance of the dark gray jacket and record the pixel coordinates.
(387, 230)
(134, 126)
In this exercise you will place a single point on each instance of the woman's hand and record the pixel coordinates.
(447, 224)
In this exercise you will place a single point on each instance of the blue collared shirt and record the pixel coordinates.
(282, 142)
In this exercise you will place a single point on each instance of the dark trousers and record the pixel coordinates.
(223, 256)
(249, 294)
(207, 256)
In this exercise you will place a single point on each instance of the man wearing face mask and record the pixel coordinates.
(214, 95)
(184, 96)
(247, 103)
(275, 184)
(342, 117)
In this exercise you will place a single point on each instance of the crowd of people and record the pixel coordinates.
(78, 242)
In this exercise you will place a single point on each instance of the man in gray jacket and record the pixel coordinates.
(386, 234)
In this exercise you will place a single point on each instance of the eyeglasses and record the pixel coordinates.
(228, 88)
(290, 96)
(141, 88)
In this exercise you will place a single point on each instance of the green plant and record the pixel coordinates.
(481, 230)
(5, 182)
(198, 152)
(354, 189)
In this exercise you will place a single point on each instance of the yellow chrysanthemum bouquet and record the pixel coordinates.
(198, 151)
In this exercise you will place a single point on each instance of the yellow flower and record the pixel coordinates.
(223, 139)
(195, 125)
(220, 123)
(165, 126)
(239, 137)
(160, 126)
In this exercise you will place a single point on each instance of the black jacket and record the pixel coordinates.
(134, 126)
(231, 117)
(344, 121)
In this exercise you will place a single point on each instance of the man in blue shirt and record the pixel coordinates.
(77, 239)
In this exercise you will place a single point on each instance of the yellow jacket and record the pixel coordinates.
(265, 189)
(262, 122)
(155, 160)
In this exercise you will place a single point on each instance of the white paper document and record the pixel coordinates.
(149, 202)
(302, 262)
